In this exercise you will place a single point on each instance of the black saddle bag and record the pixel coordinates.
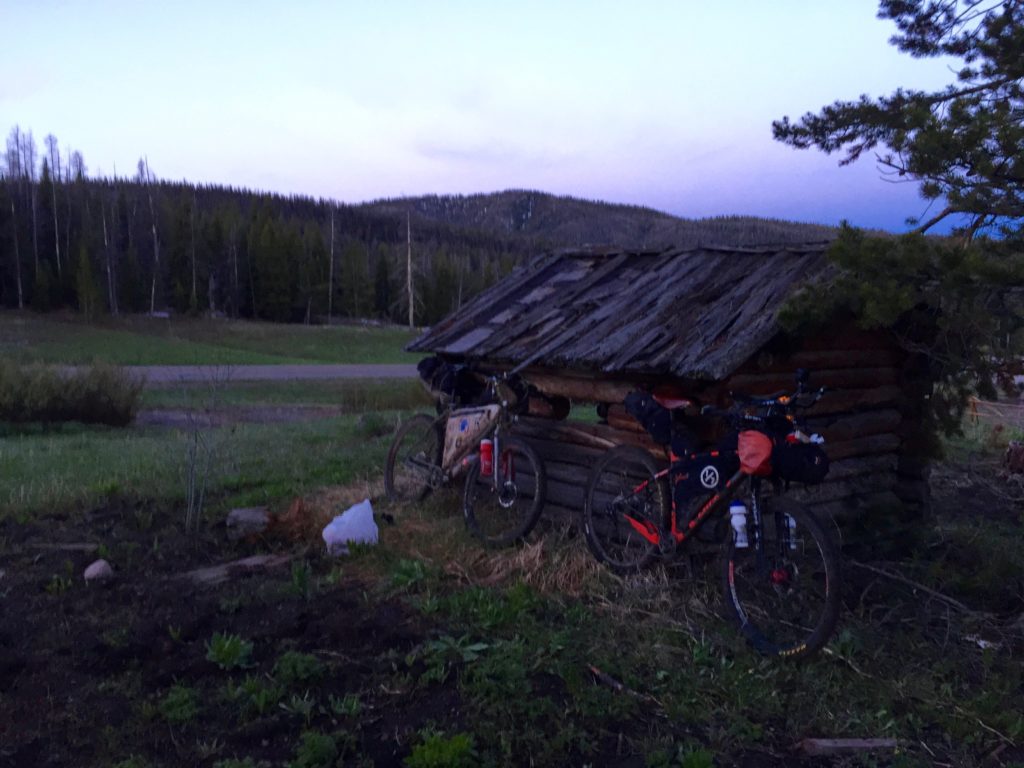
(655, 418)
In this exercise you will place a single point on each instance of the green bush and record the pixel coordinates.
(99, 394)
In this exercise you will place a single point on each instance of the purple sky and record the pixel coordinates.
(665, 104)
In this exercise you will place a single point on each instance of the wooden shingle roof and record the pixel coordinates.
(696, 313)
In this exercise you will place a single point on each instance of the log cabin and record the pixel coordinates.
(592, 325)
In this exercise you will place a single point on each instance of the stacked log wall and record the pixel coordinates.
(868, 417)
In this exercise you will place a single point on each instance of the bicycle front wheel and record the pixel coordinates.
(503, 507)
(785, 594)
(625, 501)
(414, 459)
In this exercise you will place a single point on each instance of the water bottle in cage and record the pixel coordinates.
(738, 519)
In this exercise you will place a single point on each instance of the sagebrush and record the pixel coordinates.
(98, 394)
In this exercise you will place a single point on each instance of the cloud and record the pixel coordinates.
(494, 153)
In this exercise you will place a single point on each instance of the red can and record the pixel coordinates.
(486, 458)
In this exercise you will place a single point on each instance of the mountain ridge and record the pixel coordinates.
(553, 221)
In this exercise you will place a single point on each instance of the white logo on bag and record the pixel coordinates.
(709, 477)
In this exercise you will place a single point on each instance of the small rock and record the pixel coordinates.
(99, 571)
(248, 521)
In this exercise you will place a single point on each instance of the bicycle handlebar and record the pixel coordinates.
(783, 401)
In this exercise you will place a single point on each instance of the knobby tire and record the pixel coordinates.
(612, 495)
(417, 447)
(500, 517)
(788, 604)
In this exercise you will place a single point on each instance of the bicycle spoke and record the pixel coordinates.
(625, 509)
(785, 601)
(503, 506)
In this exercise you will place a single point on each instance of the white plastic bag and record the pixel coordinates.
(355, 524)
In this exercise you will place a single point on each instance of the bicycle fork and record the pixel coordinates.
(502, 474)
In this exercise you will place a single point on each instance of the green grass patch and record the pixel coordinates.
(693, 692)
(350, 395)
(251, 464)
(26, 337)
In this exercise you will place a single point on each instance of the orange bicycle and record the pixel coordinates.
(780, 570)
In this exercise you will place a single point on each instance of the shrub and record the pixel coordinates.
(99, 394)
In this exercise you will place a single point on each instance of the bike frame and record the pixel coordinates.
(447, 471)
(717, 502)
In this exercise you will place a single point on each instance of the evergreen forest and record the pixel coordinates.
(141, 244)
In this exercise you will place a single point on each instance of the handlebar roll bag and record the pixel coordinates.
(800, 462)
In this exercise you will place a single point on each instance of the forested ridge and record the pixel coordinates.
(143, 244)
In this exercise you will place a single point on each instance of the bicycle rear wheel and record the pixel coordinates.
(785, 598)
(414, 459)
(622, 495)
(500, 515)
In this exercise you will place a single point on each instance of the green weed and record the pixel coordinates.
(407, 575)
(247, 762)
(441, 655)
(229, 651)
(208, 748)
(303, 706)
(436, 750)
(293, 667)
(322, 750)
(180, 705)
(300, 583)
(255, 695)
(682, 757)
(348, 705)
(58, 585)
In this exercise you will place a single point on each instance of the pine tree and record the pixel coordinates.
(86, 289)
(382, 290)
(964, 143)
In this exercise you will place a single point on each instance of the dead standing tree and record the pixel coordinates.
(54, 153)
(330, 273)
(111, 293)
(145, 177)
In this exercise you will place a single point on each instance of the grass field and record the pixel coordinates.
(349, 395)
(27, 337)
(428, 650)
(81, 467)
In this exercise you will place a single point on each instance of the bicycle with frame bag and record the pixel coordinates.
(780, 570)
(505, 480)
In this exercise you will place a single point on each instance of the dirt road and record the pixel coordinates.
(156, 375)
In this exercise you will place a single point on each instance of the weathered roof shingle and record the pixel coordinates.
(697, 313)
